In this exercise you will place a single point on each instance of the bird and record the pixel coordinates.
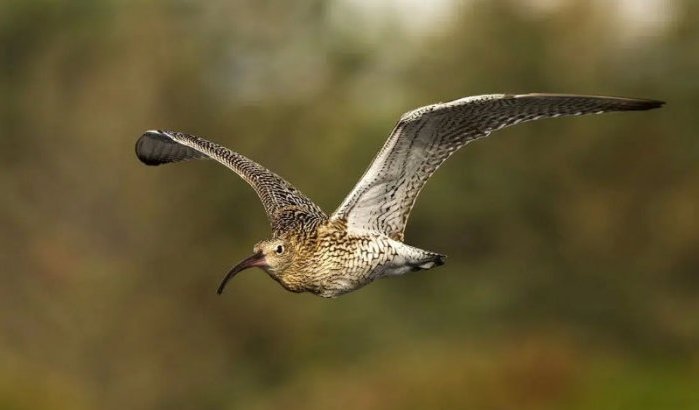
(363, 240)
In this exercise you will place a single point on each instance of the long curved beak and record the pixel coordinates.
(257, 259)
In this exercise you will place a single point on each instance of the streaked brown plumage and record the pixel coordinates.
(362, 240)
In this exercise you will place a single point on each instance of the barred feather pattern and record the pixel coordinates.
(425, 137)
(286, 207)
(363, 240)
(335, 261)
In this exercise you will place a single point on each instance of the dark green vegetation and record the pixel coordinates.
(572, 276)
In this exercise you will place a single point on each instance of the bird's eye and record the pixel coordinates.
(280, 249)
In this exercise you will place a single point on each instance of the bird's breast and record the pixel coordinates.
(341, 262)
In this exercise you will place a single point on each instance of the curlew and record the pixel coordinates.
(363, 239)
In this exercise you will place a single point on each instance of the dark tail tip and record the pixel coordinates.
(439, 260)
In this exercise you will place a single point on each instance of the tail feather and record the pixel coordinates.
(432, 261)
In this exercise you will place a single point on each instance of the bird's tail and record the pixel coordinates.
(420, 259)
(431, 261)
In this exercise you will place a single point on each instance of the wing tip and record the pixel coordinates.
(640, 104)
(645, 104)
(143, 152)
(630, 104)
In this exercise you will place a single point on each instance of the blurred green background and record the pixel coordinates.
(573, 268)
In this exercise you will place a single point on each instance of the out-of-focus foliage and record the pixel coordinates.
(572, 281)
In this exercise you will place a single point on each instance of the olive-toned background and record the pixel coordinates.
(573, 273)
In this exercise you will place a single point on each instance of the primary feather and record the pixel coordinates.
(285, 205)
(425, 137)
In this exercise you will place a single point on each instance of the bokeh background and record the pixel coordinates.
(573, 272)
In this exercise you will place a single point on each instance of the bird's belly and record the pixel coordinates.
(337, 282)
(349, 280)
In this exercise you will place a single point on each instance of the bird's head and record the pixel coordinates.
(273, 255)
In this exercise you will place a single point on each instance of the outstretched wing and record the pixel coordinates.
(424, 138)
(286, 207)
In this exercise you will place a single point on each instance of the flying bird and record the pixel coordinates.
(363, 239)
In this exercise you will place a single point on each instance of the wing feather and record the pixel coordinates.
(287, 208)
(425, 137)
